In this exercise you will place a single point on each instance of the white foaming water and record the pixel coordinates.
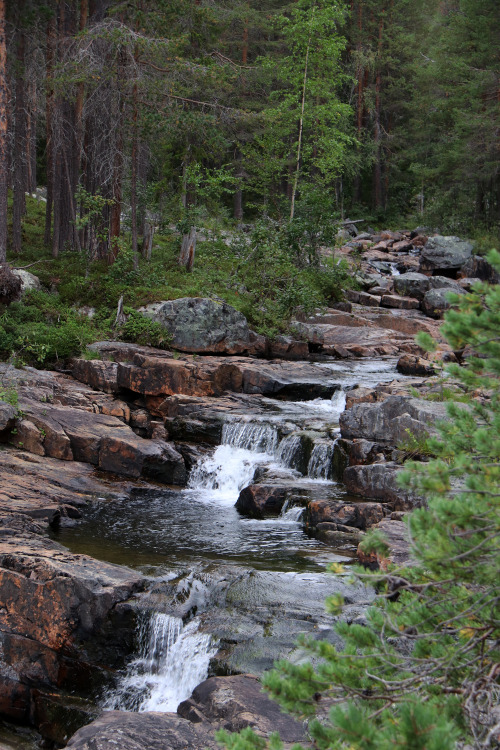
(319, 466)
(225, 473)
(289, 450)
(394, 270)
(172, 661)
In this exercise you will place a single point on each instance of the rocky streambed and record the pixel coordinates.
(169, 517)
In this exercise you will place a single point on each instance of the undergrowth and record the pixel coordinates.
(257, 273)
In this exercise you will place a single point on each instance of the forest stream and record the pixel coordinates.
(228, 593)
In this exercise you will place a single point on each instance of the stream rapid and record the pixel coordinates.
(230, 593)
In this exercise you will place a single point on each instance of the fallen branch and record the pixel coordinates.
(21, 268)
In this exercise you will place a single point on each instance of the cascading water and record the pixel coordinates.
(257, 437)
(172, 660)
(245, 446)
(320, 463)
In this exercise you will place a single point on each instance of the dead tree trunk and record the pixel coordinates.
(188, 249)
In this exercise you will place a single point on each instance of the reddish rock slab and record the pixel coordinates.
(47, 489)
(150, 373)
(401, 303)
(103, 441)
(58, 612)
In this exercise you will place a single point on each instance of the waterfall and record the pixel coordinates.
(172, 661)
(257, 437)
(320, 463)
(394, 269)
(291, 513)
(290, 451)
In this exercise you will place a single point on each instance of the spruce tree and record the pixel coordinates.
(422, 673)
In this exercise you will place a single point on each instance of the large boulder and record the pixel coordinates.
(379, 482)
(444, 254)
(411, 284)
(236, 702)
(29, 282)
(391, 422)
(125, 730)
(436, 302)
(205, 326)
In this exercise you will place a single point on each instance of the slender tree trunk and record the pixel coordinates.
(49, 116)
(19, 206)
(301, 125)
(134, 167)
(360, 97)
(377, 173)
(3, 135)
(116, 208)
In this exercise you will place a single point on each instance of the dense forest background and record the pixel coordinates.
(138, 113)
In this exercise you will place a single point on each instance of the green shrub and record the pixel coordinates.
(142, 330)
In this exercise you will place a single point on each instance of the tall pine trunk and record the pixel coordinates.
(377, 168)
(3, 135)
(49, 118)
(19, 205)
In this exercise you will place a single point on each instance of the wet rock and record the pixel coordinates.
(262, 501)
(389, 422)
(357, 515)
(125, 730)
(58, 716)
(411, 284)
(436, 301)
(410, 364)
(205, 326)
(401, 303)
(479, 268)
(444, 253)
(236, 702)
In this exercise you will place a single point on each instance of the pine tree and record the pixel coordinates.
(423, 673)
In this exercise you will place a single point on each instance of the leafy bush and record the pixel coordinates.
(141, 330)
(422, 673)
(41, 331)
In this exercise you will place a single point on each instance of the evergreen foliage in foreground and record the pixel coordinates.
(423, 673)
